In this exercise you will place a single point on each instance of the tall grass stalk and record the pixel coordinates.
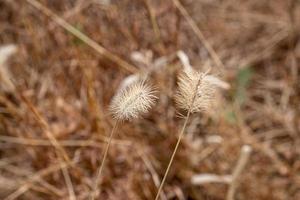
(173, 155)
(129, 103)
(195, 93)
(94, 192)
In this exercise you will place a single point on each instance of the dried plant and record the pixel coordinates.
(195, 91)
(195, 94)
(133, 101)
(129, 103)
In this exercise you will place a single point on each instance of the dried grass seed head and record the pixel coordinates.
(133, 101)
(195, 91)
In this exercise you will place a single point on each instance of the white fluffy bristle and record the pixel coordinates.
(132, 101)
(195, 91)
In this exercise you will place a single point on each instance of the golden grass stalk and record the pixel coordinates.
(195, 94)
(130, 103)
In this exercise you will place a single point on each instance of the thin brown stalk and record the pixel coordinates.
(267, 49)
(173, 155)
(93, 105)
(95, 192)
(199, 34)
(61, 153)
(154, 24)
(9, 160)
(34, 178)
(10, 107)
(94, 45)
(151, 169)
(68, 180)
(194, 95)
(24, 172)
(64, 143)
(46, 128)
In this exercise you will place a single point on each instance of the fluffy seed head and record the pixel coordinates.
(132, 101)
(195, 91)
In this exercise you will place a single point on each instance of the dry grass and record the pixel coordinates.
(54, 120)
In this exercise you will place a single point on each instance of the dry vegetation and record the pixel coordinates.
(56, 89)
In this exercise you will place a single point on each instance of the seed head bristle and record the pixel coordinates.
(195, 91)
(5, 76)
(132, 101)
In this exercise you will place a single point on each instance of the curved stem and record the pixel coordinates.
(173, 155)
(94, 192)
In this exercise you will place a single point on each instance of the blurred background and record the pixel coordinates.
(61, 62)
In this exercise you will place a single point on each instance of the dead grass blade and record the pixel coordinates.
(94, 45)
(61, 153)
(200, 35)
(34, 178)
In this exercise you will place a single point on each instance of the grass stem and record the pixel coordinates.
(173, 155)
(99, 173)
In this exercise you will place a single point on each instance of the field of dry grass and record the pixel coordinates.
(61, 62)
